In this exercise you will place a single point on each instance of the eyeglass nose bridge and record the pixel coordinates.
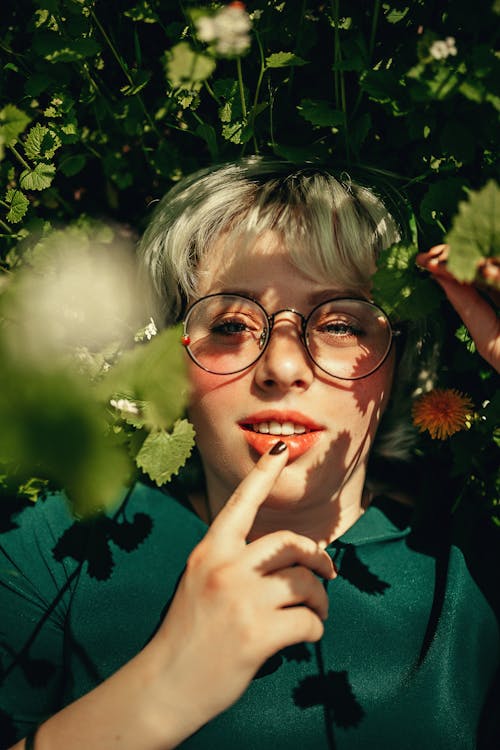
(265, 336)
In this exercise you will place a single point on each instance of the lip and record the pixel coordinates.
(297, 444)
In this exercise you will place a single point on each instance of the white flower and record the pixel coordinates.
(124, 405)
(150, 330)
(442, 48)
(228, 29)
(147, 332)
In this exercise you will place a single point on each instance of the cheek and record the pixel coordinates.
(211, 397)
(367, 398)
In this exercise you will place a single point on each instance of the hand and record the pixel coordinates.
(238, 604)
(478, 315)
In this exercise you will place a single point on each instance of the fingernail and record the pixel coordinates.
(277, 448)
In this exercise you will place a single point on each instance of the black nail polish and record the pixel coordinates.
(279, 447)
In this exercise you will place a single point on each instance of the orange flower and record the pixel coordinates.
(442, 412)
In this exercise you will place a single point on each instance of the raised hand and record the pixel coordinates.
(477, 313)
(238, 604)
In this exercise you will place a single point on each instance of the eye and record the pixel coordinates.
(234, 325)
(228, 328)
(339, 327)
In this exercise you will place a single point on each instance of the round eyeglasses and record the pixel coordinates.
(346, 338)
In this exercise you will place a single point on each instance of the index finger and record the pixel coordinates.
(238, 515)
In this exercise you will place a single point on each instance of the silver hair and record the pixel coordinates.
(333, 228)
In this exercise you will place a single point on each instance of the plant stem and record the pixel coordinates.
(340, 92)
(212, 92)
(19, 157)
(112, 48)
(271, 114)
(262, 70)
(242, 89)
(6, 227)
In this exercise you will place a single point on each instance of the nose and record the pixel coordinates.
(285, 364)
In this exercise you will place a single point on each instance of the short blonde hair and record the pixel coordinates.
(333, 228)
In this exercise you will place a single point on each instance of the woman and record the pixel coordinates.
(279, 604)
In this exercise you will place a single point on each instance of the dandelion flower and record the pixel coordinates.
(442, 412)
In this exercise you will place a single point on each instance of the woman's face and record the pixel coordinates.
(284, 386)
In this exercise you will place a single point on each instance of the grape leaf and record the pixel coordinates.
(399, 290)
(38, 178)
(162, 454)
(284, 60)
(18, 205)
(475, 232)
(41, 143)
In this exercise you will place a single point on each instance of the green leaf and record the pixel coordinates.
(186, 69)
(399, 290)
(41, 143)
(162, 454)
(320, 112)
(18, 205)
(284, 60)
(152, 374)
(475, 232)
(142, 12)
(381, 85)
(78, 49)
(12, 123)
(38, 178)
(141, 78)
(440, 200)
(394, 15)
(73, 164)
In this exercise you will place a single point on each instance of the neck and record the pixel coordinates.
(322, 519)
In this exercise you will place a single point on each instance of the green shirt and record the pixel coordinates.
(408, 659)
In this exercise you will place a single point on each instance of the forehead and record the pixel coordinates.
(262, 268)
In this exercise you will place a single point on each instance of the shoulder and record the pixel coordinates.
(44, 541)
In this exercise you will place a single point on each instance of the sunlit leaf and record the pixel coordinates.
(152, 374)
(18, 205)
(142, 12)
(41, 143)
(38, 178)
(187, 68)
(284, 60)
(12, 123)
(162, 454)
(475, 232)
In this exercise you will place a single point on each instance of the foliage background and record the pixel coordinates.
(104, 105)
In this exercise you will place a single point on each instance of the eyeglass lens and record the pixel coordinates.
(347, 338)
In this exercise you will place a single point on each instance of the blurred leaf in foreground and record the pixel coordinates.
(475, 233)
